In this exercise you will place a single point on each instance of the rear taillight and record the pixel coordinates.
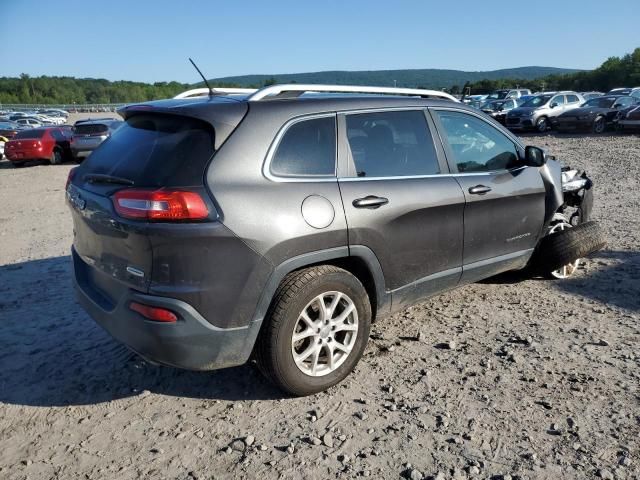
(160, 205)
(154, 313)
(72, 172)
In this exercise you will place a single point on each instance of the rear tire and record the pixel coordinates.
(56, 157)
(309, 305)
(564, 247)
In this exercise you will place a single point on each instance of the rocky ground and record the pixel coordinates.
(510, 378)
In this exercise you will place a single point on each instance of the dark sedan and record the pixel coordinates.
(498, 108)
(595, 114)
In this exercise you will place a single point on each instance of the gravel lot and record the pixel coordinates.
(540, 381)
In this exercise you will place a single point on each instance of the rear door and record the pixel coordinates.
(505, 201)
(399, 200)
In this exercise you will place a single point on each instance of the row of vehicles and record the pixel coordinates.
(565, 111)
(54, 143)
(39, 118)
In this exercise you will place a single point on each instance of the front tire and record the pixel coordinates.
(542, 124)
(315, 331)
(599, 125)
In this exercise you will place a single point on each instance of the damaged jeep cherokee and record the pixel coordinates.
(277, 224)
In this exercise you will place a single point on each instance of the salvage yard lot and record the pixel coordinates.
(512, 376)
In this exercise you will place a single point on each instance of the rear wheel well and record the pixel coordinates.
(359, 269)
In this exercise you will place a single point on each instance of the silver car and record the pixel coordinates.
(536, 112)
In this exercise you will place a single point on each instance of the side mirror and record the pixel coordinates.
(534, 156)
(553, 105)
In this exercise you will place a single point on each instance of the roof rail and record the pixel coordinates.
(295, 90)
(203, 92)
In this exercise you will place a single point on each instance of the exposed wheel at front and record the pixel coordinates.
(570, 268)
(316, 330)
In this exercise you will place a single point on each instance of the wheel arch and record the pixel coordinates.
(358, 260)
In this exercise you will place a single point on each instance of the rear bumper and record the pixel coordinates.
(23, 155)
(80, 152)
(191, 343)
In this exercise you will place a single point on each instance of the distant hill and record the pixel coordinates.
(428, 78)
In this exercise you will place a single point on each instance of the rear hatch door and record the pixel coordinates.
(148, 151)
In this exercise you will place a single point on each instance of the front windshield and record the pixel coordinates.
(537, 101)
(600, 102)
(498, 94)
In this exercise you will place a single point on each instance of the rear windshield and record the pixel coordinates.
(155, 150)
(90, 129)
(33, 133)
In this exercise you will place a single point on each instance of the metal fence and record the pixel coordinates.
(71, 108)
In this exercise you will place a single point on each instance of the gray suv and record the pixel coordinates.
(89, 134)
(277, 225)
(536, 112)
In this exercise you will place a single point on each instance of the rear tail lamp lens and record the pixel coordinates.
(156, 314)
(160, 205)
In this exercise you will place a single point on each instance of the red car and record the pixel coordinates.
(49, 143)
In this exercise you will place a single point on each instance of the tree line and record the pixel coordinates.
(614, 72)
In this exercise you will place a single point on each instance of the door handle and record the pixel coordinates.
(370, 201)
(479, 190)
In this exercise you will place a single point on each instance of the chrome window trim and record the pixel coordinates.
(439, 175)
(266, 166)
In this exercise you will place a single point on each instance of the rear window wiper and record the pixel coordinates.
(104, 178)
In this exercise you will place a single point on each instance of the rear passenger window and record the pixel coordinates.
(476, 145)
(391, 144)
(308, 148)
(572, 99)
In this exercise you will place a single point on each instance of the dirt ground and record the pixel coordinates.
(541, 381)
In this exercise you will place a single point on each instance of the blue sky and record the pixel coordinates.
(150, 41)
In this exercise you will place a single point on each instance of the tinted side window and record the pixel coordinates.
(572, 99)
(308, 148)
(391, 144)
(624, 101)
(476, 145)
(559, 99)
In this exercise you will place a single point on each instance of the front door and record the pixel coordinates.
(505, 200)
(398, 203)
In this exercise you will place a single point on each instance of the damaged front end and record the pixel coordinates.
(578, 196)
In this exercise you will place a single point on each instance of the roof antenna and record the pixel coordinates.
(211, 94)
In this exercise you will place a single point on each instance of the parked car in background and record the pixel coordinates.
(537, 112)
(629, 118)
(596, 114)
(29, 122)
(508, 93)
(9, 129)
(89, 134)
(498, 109)
(523, 99)
(49, 143)
(3, 140)
(590, 95)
